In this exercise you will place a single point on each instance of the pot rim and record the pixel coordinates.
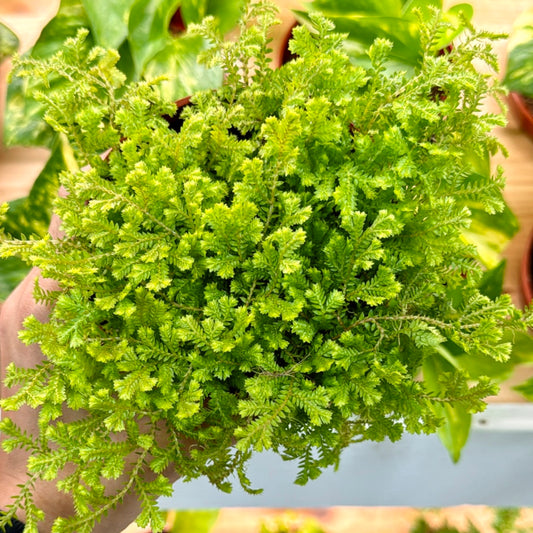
(519, 108)
(526, 266)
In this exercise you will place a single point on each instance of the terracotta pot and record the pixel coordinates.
(522, 111)
(527, 272)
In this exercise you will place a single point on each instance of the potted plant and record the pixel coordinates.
(153, 40)
(285, 270)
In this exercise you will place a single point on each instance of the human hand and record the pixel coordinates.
(13, 466)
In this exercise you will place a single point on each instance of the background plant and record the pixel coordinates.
(291, 523)
(504, 522)
(191, 521)
(398, 21)
(150, 44)
(519, 70)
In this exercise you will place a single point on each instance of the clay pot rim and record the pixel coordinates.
(522, 112)
(525, 271)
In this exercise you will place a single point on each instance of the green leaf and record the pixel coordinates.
(189, 402)
(456, 17)
(68, 20)
(456, 429)
(381, 287)
(148, 30)
(457, 420)
(368, 389)
(155, 52)
(526, 389)
(227, 13)
(523, 353)
(315, 403)
(31, 215)
(491, 283)
(305, 330)
(522, 346)
(394, 7)
(425, 335)
(409, 6)
(499, 371)
(491, 233)
(23, 120)
(109, 22)
(12, 271)
(176, 60)
(519, 73)
(8, 42)
(133, 383)
(393, 20)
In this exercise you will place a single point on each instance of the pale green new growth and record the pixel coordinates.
(272, 275)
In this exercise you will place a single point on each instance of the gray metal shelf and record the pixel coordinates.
(496, 468)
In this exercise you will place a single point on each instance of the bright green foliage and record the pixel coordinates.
(398, 21)
(504, 522)
(274, 275)
(401, 21)
(8, 42)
